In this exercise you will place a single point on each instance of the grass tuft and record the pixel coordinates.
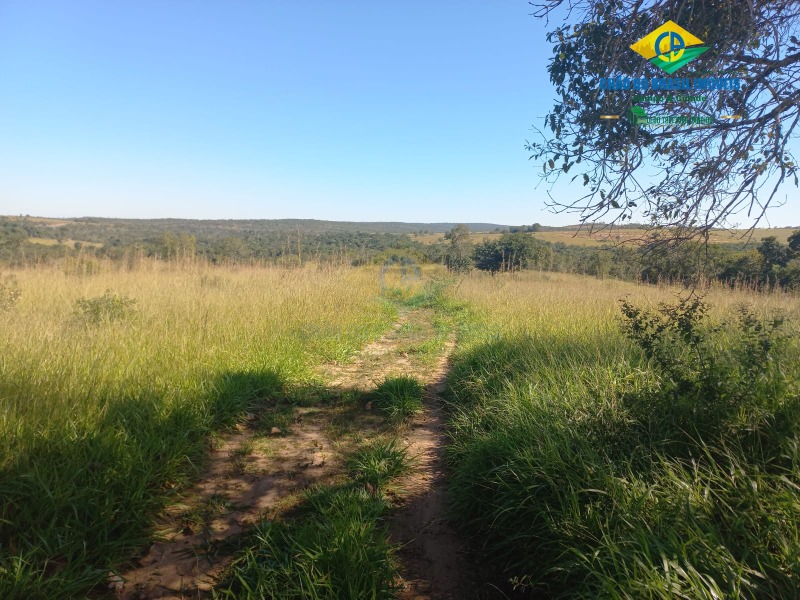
(379, 463)
(399, 397)
(335, 548)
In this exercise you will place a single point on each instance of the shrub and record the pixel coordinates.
(105, 309)
(675, 477)
(715, 378)
(9, 293)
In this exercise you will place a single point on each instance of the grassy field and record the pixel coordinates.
(573, 237)
(54, 242)
(591, 455)
(111, 384)
(583, 469)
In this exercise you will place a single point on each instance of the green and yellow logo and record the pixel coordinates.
(669, 47)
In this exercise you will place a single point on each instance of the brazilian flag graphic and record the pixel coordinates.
(669, 47)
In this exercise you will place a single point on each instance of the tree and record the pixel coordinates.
(692, 177)
(458, 234)
(600, 264)
(794, 244)
(177, 246)
(742, 267)
(233, 248)
(512, 252)
(459, 254)
(789, 276)
(775, 256)
(12, 243)
(773, 251)
(488, 256)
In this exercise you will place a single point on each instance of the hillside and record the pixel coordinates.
(120, 232)
(124, 231)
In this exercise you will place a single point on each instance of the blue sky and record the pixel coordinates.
(346, 110)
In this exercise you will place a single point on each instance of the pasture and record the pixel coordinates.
(109, 398)
(584, 458)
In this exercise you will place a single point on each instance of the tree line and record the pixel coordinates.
(769, 264)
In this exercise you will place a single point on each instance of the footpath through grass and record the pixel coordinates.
(108, 398)
(661, 464)
(335, 544)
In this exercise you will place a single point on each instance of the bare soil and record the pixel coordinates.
(246, 479)
(435, 564)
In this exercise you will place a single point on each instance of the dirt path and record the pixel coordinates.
(247, 477)
(431, 552)
(258, 472)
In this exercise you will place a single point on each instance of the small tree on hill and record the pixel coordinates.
(512, 252)
(459, 255)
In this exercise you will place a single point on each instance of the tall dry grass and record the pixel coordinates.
(107, 398)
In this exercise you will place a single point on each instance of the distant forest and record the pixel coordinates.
(80, 243)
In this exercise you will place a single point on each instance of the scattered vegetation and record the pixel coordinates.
(104, 309)
(769, 260)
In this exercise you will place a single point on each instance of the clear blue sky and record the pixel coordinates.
(345, 110)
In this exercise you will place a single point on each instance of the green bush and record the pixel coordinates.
(379, 463)
(710, 364)
(105, 309)
(716, 380)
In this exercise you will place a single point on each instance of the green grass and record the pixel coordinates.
(584, 462)
(104, 418)
(399, 397)
(334, 547)
(379, 463)
(583, 469)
